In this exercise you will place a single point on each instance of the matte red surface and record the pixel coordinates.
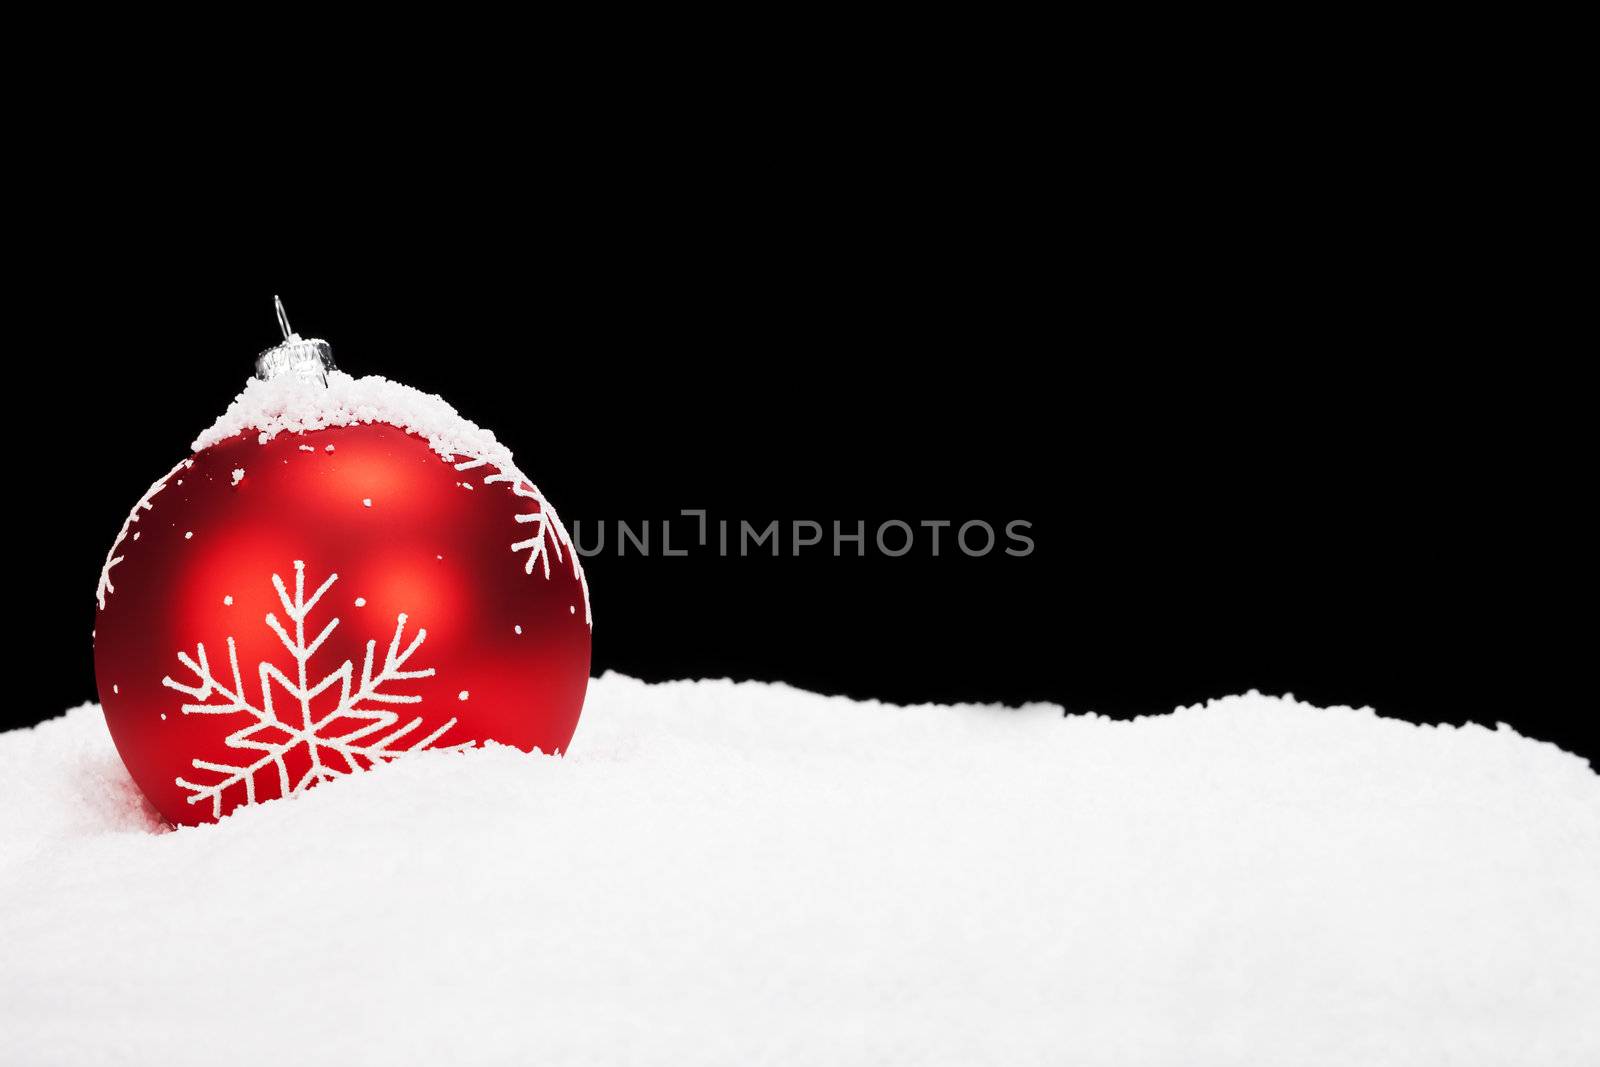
(426, 546)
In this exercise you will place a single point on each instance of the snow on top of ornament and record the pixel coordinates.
(287, 404)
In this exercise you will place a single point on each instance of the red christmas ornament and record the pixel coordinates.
(344, 573)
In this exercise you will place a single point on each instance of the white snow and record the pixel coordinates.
(739, 874)
(287, 404)
(238, 475)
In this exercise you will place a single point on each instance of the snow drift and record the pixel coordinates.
(742, 874)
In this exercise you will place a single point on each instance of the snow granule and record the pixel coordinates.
(462, 695)
(238, 475)
(228, 600)
(361, 601)
(732, 874)
(517, 628)
(188, 535)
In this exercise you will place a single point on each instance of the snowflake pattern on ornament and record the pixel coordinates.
(146, 503)
(332, 753)
(548, 533)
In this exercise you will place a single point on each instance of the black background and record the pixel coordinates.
(1264, 440)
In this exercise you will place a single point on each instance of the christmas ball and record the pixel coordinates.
(345, 573)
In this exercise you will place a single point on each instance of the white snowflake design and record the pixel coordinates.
(146, 503)
(332, 753)
(549, 536)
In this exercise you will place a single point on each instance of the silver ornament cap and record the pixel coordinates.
(307, 358)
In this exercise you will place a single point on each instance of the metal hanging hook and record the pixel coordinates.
(307, 358)
(283, 318)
